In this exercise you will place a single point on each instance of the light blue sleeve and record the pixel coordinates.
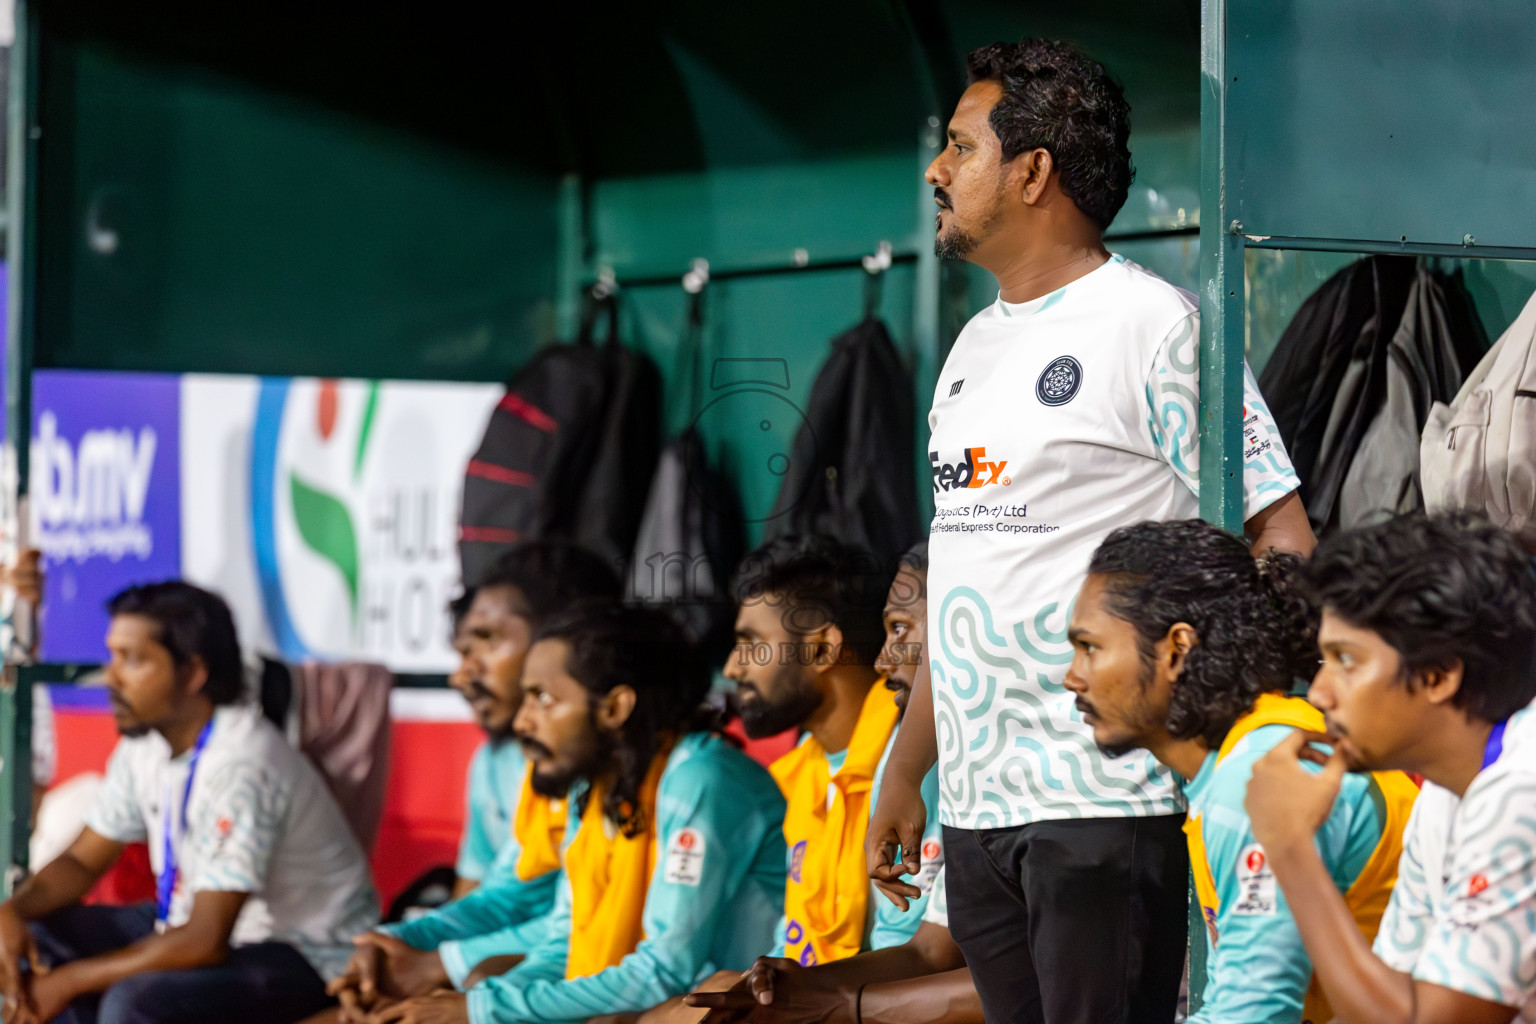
(892, 926)
(778, 937)
(460, 956)
(502, 902)
(1260, 970)
(477, 848)
(680, 919)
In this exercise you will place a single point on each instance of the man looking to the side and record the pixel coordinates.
(1065, 409)
(1428, 637)
(512, 834)
(921, 981)
(1186, 646)
(260, 881)
(674, 867)
(808, 630)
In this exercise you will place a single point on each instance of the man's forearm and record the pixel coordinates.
(878, 965)
(917, 746)
(174, 950)
(1283, 526)
(948, 998)
(1361, 988)
(62, 882)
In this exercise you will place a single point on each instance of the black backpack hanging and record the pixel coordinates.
(567, 452)
(851, 473)
(691, 535)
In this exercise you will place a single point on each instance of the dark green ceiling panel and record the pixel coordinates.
(1423, 108)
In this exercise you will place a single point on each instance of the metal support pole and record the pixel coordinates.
(1221, 348)
(16, 763)
(21, 257)
(1221, 291)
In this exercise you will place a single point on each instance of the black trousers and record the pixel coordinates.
(1072, 922)
(267, 983)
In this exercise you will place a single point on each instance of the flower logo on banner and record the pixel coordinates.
(323, 520)
(298, 447)
(355, 553)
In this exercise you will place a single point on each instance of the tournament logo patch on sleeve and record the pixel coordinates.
(685, 857)
(1255, 884)
(933, 863)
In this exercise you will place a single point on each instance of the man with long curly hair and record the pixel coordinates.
(1067, 408)
(674, 858)
(1186, 646)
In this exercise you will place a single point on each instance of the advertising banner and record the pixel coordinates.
(105, 497)
(327, 511)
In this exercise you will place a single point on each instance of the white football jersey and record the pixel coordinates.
(1461, 914)
(1055, 422)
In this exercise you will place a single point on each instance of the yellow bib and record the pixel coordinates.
(1368, 895)
(827, 892)
(538, 828)
(609, 877)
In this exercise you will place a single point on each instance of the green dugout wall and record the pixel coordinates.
(423, 193)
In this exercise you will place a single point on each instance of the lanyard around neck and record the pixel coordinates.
(1495, 745)
(166, 884)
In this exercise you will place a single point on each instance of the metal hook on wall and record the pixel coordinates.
(607, 283)
(875, 267)
(697, 277)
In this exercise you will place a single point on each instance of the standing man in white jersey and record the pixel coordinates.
(1066, 409)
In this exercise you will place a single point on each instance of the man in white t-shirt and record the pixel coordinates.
(260, 882)
(1067, 408)
(1428, 639)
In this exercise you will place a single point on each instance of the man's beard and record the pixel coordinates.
(135, 729)
(796, 699)
(1143, 718)
(957, 243)
(554, 781)
(953, 244)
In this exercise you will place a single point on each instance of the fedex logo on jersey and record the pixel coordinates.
(972, 471)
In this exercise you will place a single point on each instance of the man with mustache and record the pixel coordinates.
(675, 866)
(1429, 665)
(512, 834)
(1065, 409)
(1187, 647)
(920, 981)
(808, 630)
(259, 879)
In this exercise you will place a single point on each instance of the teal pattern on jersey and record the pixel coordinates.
(1011, 741)
(1475, 934)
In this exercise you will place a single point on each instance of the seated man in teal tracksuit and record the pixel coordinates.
(510, 849)
(674, 861)
(1184, 645)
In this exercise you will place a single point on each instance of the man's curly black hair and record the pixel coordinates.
(613, 645)
(1058, 99)
(1440, 590)
(1256, 634)
(821, 581)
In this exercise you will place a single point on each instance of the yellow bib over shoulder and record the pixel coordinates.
(539, 828)
(610, 874)
(826, 895)
(1368, 895)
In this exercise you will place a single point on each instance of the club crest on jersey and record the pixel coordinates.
(1060, 381)
(972, 471)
